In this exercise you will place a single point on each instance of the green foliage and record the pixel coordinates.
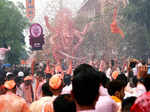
(139, 11)
(137, 25)
(12, 24)
(99, 40)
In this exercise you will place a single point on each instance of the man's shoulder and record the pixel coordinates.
(12, 99)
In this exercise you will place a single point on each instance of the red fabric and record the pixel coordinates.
(114, 27)
(142, 104)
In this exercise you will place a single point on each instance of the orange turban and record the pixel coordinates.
(115, 74)
(9, 84)
(55, 82)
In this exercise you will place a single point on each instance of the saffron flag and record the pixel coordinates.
(23, 62)
(114, 27)
(30, 9)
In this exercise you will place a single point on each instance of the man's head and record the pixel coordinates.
(28, 80)
(132, 64)
(10, 76)
(64, 103)
(56, 84)
(83, 67)
(10, 85)
(85, 85)
(116, 88)
(46, 90)
(147, 82)
(123, 78)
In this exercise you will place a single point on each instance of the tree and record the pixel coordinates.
(12, 24)
(99, 41)
(136, 21)
(138, 11)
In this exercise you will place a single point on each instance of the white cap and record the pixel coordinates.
(20, 74)
(8, 73)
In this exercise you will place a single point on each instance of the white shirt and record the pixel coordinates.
(67, 89)
(108, 73)
(137, 91)
(106, 104)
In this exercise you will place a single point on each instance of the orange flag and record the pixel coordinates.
(30, 9)
(47, 69)
(23, 62)
(114, 27)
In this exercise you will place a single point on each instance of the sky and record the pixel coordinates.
(43, 9)
(42, 3)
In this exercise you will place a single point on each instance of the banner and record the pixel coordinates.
(30, 9)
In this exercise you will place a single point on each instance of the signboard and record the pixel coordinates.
(36, 30)
(36, 36)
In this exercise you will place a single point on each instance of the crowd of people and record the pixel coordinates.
(106, 87)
